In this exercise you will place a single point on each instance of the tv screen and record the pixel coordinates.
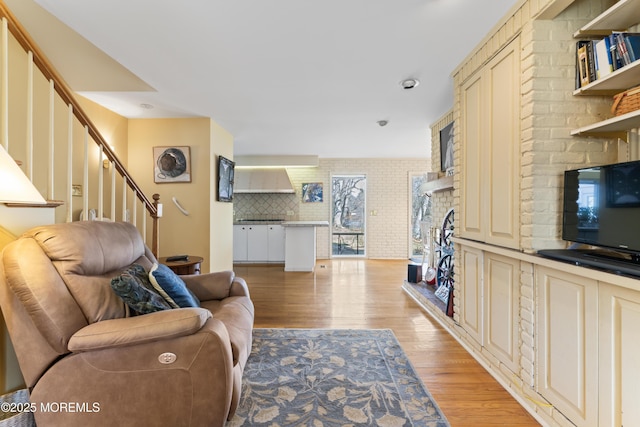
(602, 206)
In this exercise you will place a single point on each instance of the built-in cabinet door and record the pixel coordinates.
(472, 160)
(619, 356)
(276, 243)
(567, 344)
(503, 168)
(257, 243)
(470, 290)
(490, 150)
(501, 296)
(240, 242)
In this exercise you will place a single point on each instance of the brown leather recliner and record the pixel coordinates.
(88, 361)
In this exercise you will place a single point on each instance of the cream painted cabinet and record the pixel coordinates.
(489, 303)
(567, 344)
(619, 337)
(501, 308)
(470, 283)
(490, 150)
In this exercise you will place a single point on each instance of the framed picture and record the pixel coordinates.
(446, 147)
(171, 164)
(312, 192)
(225, 179)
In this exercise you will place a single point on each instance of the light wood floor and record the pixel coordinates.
(350, 293)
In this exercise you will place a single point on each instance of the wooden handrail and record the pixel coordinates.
(63, 90)
(66, 94)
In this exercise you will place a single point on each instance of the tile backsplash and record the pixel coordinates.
(265, 206)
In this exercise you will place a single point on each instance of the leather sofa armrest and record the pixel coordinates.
(216, 286)
(155, 326)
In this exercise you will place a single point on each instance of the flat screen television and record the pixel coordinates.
(602, 206)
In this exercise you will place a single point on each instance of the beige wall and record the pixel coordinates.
(221, 213)
(179, 233)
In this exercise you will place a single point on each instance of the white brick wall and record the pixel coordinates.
(387, 195)
(549, 111)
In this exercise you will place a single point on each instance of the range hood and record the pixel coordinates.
(262, 180)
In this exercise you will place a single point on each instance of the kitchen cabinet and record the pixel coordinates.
(258, 243)
(300, 246)
(240, 243)
(275, 237)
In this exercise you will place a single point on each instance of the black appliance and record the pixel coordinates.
(601, 207)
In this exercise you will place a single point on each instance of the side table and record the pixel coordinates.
(189, 266)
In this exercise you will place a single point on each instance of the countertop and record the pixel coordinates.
(257, 221)
(305, 223)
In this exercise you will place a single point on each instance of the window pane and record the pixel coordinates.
(348, 215)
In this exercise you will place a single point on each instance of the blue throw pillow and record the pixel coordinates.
(172, 287)
(135, 289)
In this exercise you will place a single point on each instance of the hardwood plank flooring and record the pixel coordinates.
(353, 293)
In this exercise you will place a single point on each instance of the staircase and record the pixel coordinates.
(61, 151)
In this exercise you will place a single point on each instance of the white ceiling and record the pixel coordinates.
(283, 76)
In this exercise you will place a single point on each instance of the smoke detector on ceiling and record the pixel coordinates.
(409, 83)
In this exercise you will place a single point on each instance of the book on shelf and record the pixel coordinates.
(603, 58)
(596, 59)
(582, 63)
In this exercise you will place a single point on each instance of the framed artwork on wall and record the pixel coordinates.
(312, 192)
(225, 179)
(446, 147)
(171, 164)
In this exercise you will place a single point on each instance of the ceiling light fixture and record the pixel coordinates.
(146, 106)
(382, 123)
(409, 83)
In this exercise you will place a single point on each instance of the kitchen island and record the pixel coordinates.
(300, 244)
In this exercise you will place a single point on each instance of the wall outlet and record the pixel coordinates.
(289, 213)
(374, 213)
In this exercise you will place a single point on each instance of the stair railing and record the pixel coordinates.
(57, 86)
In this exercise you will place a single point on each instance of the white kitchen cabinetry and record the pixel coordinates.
(275, 243)
(240, 243)
(567, 344)
(250, 243)
(258, 243)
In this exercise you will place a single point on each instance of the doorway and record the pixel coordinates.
(348, 225)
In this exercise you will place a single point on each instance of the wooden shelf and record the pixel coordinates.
(619, 17)
(49, 204)
(615, 127)
(618, 81)
(442, 184)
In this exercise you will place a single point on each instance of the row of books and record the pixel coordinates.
(596, 59)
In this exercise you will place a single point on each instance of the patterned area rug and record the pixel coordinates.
(337, 377)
